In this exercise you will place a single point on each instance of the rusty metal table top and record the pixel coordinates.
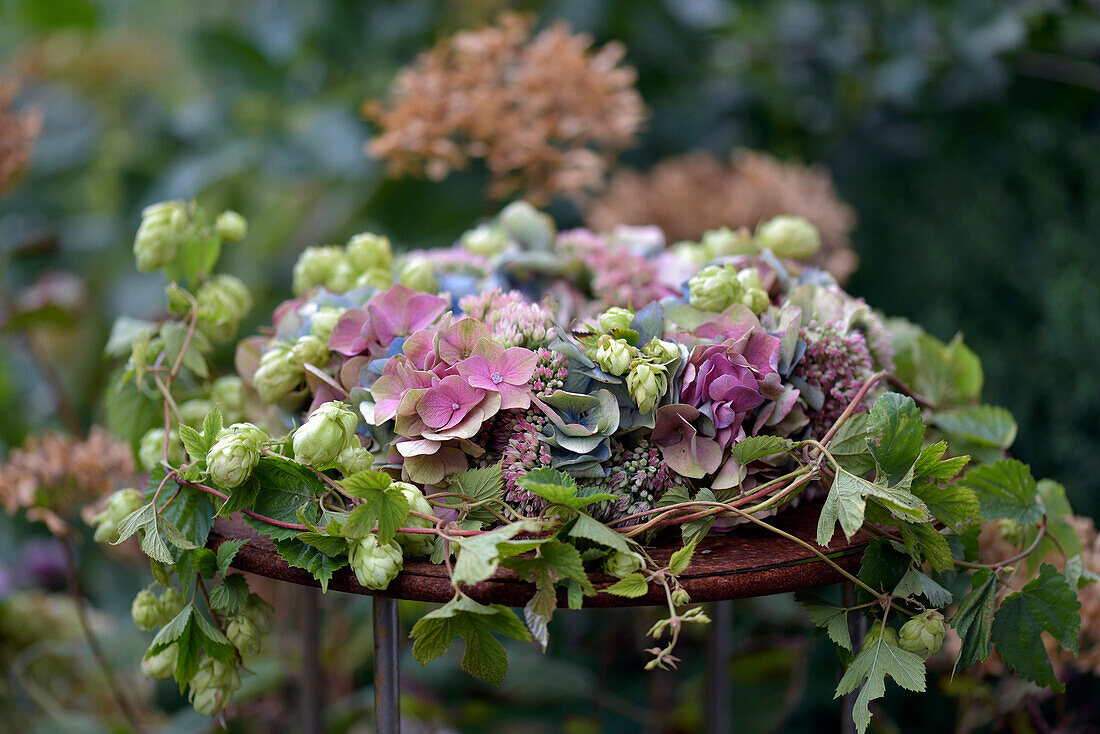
(744, 562)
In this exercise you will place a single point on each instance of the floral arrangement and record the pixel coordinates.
(548, 402)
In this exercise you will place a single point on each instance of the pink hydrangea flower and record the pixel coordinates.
(504, 371)
(398, 312)
(446, 404)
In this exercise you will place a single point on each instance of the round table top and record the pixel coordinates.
(746, 561)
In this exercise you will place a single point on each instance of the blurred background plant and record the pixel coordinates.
(963, 133)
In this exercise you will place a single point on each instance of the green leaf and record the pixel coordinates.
(895, 433)
(124, 332)
(883, 566)
(475, 623)
(366, 484)
(845, 504)
(384, 509)
(327, 544)
(212, 425)
(953, 505)
(630, 586)
(915, 583)
(945, 374)
(554, 486)
(871, 667)
(983, 425)
(973, 619)
(1006, 490)
(1059, 519)
(597, 532)
(174, 335)
(191, 512)
(1049, 603)
(752, 448)
(227, 551)
(152, 525)
(849, 446)
(902, 504)
(681, 559)
(229, 596)
(924, 541)
(833, 619)
(303, 556)
(194, 442)
(479, 556)
(130, 412)
(486, 483)
(929, 465)
(278, 488)
(554, 562)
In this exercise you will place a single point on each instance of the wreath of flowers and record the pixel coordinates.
(548, 401)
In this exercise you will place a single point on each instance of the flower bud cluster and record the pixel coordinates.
(717, 287)
(326, 433)
(119, 505)
(366, 260)
(375, 564)
(236, 453)
(167, 226)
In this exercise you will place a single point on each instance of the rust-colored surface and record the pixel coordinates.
(745, 562)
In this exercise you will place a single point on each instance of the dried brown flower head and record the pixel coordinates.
(546, 113)
(689, 194)
(18, 131)
(54, 475)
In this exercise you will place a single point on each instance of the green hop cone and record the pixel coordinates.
(1012, 531)
(212, 686)
(231, 226)
(146, 611)
(613, 355)
(343, 278)
(661, 351)
(680, 597)
(368, 251)
(326, 433)
(119, 505)
(416, 545)
(616, 318)
(789, 236)
(244, 635)
(486, 240)
(171, 603)
(151, 449)
(317, 266)
(647, 383)
(223, 302)
(260, 612)
(620, 564)
(525, 224)
(354, 459)
(235, 454)
(725, 242)
(923, 634)
(228, 394)
(278, 375)
(714, 288)
(309, 349)
(323, 322)
(418, 273)
(163, 229)
(162, 665)
(378, 278)
(375, 564)
(753, 294)
(880, 631)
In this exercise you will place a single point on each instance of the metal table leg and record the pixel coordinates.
(857, 629)
(718, 669)
(387, 684)
(313, 673)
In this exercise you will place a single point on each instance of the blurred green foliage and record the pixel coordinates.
(964, 133)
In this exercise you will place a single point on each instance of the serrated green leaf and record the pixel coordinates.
(383, 509)
(229, 596)
(900, 502)
(954, 505)
(845, 504)
(327, 544)
(212, 425)
(485, 483)
(681, 558)
(594, 530)
(849, 446)
(895, 433)
(554, 562)
(883, 566)
(1006, 490)
(871, 666)
(484, 657)
(915, 583)
(366, 484)
(194, 442)
(925, 543)
(930, 467)
(751, 448)
(833, 619)
(983, 425)
(172, 631)
(556, 487)
(478, 557)
(278, 488)
(630, 586)
(306, 557)
(130, 412)
(945, 374)
(1046, 603)
(1060, 518)
(973, 619)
